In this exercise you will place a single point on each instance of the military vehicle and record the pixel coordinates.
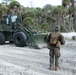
(19, 34)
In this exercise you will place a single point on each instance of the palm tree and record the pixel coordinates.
(56, 13)
(14, 4)
(28, 20)
(47, 11)
(30, 13)
(3, 9)
(7, 1)
(66, 3)
(37, 17)
(16, 8)
(71, 10)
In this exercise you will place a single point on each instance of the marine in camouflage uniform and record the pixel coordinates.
(54, 51)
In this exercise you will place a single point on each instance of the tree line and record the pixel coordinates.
(43, 19)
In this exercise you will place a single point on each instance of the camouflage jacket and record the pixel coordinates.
(60, 38)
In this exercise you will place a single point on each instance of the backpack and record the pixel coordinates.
(54, 39)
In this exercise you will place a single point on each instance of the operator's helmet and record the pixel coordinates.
(57, 28)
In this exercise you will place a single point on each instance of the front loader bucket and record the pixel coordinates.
(37, 41)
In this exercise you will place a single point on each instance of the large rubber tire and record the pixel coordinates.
(73, 37)
(2, 39)
(19, 39)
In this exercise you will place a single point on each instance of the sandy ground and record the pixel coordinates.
(26, 61)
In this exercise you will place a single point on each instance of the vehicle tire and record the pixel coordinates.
(19, 39)
(73, 37)
(2, 39)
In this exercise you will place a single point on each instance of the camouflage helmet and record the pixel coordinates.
(56, 28)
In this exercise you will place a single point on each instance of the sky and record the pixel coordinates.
(38, 3)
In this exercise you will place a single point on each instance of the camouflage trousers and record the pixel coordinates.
(54, 56)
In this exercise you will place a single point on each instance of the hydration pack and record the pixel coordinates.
(54, 39)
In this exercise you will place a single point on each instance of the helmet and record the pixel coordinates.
(57, 28)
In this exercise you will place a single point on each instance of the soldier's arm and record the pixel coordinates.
(48, 37)
(61, 39)
(48, 41)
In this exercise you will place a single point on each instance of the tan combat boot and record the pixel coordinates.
(56, 68)
(51, 68)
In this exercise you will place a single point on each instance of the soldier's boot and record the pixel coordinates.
(51, 68)
(56, 68)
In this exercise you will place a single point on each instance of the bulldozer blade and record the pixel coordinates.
(37, 41)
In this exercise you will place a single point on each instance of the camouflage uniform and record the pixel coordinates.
(54, 51)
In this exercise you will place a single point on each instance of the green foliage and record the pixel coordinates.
(29, 13)
(37, 11)
(43, 26)
(65, 2)
(51, 19)
(47, 7)
(38, 18)
(57, 10)
(3, 9)
(13, 4)
(28, 21)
